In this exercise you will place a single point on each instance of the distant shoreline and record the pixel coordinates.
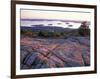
(52, 20)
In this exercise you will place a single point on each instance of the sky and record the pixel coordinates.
(64, 15)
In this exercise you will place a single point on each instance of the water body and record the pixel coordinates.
(52, 23)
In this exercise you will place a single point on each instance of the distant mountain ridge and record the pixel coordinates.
(52, 20)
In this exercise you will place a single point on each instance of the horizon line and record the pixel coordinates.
(63, 20)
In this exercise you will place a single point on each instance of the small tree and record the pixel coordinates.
(84, 29)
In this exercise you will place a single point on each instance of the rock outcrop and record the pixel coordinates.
(54, 53)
